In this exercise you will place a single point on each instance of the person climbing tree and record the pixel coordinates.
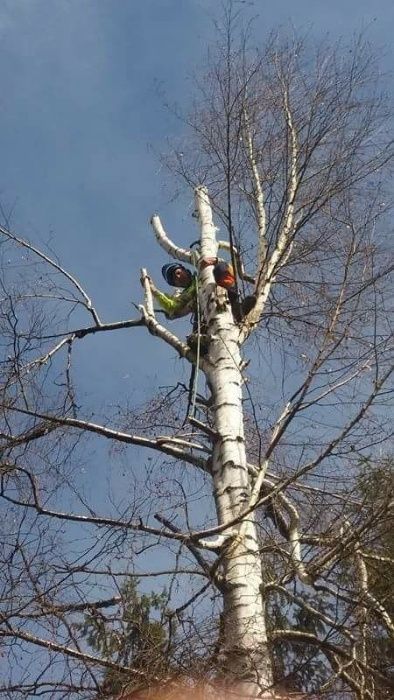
(224, 276)
(183, 301)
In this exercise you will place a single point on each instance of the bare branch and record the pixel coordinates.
(25, 244)
(175, 251)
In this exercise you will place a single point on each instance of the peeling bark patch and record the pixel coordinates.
(231, 382)
(218, 363)
(232, 489)
(225, 403)
(233, 467)
(230, 465)
(231, 586)
(242, 496)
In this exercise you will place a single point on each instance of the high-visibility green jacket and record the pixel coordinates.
(179, 304)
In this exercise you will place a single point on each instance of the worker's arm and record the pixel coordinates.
(176, 305)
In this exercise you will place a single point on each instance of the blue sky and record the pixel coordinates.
(81, 119)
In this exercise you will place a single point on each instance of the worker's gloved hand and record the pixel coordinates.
(149, 279)
(207, 262)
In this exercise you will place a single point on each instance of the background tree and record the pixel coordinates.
(134, 637)
(253, 512)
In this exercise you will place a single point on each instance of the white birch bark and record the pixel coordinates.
(245, 649)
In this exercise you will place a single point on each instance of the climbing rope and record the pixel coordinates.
(191, 409)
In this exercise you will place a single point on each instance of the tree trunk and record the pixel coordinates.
(245, 649)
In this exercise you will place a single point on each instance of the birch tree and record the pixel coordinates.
(250, 510)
